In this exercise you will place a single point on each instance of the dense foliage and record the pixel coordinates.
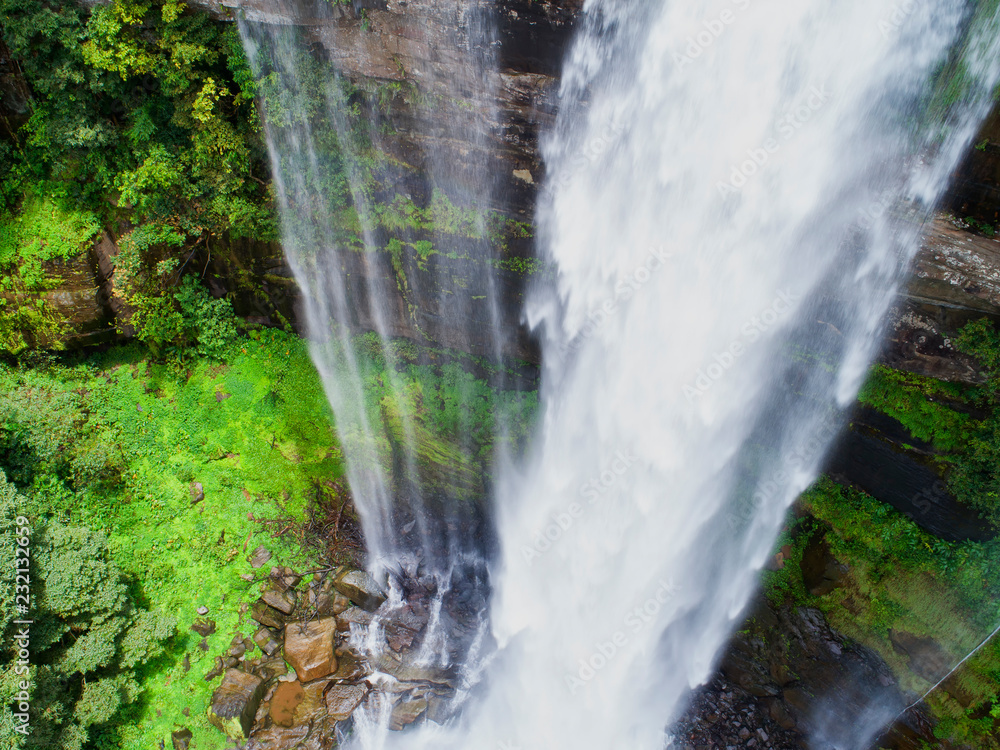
(142, 123)
(88, 637)
(105, 451)
(900, 579)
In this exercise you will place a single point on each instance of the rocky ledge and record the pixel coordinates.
(298, 678)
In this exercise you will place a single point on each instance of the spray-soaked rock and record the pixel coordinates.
(181, 739)
(309, 648)
(341, 700)
(267, 615)
(407, 712)
(283, 601)
(361, 589)
(235, 702)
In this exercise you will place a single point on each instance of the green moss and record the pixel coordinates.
(453, 418)
(255, 432)
(43, 231)
(954, 82)
(920, 404)
(33, 244)
(785, 583)
(902, 579)
(521, 265)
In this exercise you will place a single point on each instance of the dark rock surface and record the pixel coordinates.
(235, 702)
(878, 455)
(722, 715)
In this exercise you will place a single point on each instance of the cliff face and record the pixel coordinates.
(410, 64)
(403, 55)
(411, 68)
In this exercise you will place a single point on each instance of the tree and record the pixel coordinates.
(88, 638)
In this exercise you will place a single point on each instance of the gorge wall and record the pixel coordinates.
(396, 52)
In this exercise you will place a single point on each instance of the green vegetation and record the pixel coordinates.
(961, 422)
(975, 479)
(903, 584)
(89, 639)
(955, 81)
(981, 227)
(453, 420)
(34, 243)
(902, 580)
(106, 450)
(141, 121)
(922, 405)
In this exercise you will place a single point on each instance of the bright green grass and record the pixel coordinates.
(257, 433)
(171, 430)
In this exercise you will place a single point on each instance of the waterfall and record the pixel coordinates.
(347, 211)
(735, 190)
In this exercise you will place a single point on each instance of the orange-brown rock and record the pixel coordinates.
(309, 648)
(287, 696)
(341, 700)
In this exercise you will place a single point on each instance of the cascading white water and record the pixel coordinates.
(723, 262)
(328, 161)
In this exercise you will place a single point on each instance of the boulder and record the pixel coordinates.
(260, 556)
(181, 739)
(405, 671)
(361, 589)
(353, 616)
(309, 648)
(235, 702)
(406, 713)
(349, 667)
(287, 577)
(331, 602)
(341, 700)
(311, 727)
(283, 601)
(271, 668)
(276, 736)
(287, 697)
(267, 615)
(439, 708)
(204, 627)
(267, 640)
